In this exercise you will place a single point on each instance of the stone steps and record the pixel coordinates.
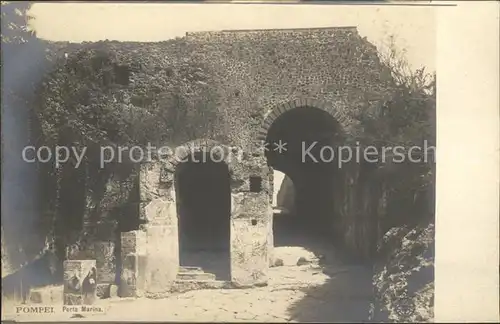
(181, 286)
(196, 276)
(194, 273)
(190, 269)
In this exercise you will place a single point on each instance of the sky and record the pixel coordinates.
(413, 27)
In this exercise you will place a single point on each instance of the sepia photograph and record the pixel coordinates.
(218, 162)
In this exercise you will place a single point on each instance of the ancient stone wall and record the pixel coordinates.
(257, 71)
(242, 81)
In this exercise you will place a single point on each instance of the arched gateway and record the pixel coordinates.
(203, 197)
(206, 199)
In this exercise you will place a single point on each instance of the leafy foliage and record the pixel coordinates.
(99, 95)
(15, 20)
(96, 98)
(408, 118)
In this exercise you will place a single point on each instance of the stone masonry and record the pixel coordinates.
(259, 76)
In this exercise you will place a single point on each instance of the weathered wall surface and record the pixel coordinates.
(255, 71)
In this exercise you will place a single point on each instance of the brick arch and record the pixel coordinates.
(279, 110)
(182, 152)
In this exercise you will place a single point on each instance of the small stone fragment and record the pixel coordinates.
(36, 297)
(278, 263)
(113, 291)
(103, 290)
(302, 261)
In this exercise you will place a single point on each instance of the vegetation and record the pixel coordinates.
(89, 100)
(409, 117)
(403, 274)
(15, 21)
(407, 120)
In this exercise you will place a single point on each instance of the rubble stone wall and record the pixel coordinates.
(255, 77)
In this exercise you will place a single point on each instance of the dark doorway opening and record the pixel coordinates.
(305, 129)
(204, 207)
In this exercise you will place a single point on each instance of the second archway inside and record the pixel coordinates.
(304, 132)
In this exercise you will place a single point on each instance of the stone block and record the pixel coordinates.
(251, 238)
(104, 253)
(47, 295)
(79, 282)
(132, 275)
(250, 205)
(270, 240)
(160, 211)
(162, 263)
(249, 252)
(102, 290)
(113, 291)
(133, 242)
(133, 251)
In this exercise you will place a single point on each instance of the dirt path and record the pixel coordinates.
(331, 292)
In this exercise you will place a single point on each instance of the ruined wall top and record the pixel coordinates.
(245, 75)
(245, 34)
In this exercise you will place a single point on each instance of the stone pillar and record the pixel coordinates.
(159, 212)
(277, 178)
(162, 257)
(104, 253)
(270, 238)
(251, 228)
(133, 250)
(79, 282)
(250, 223)
(270, 227)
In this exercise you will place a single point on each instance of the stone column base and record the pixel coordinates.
(79, 282)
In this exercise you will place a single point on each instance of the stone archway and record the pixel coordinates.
(250, 207)
(345, 193)
(249, 223)
(301, 124)
(341, 118)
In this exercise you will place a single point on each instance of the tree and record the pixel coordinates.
(407, 119)
(15, 25)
